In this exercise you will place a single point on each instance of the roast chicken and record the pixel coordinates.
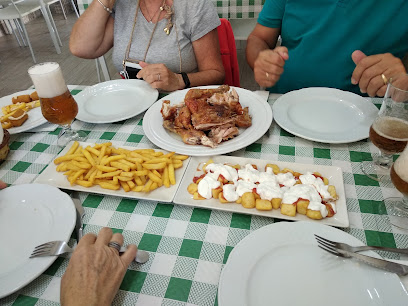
(206, 116)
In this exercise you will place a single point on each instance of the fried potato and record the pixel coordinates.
(288, 209)
(301, 206)
(314, 214)
(141, 170)
(263, 204)
(248, 200)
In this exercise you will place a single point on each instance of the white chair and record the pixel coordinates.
(83, 5)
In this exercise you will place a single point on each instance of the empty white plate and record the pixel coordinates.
(114, 101)
(325, 115)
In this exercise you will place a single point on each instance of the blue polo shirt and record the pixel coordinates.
(321, 35)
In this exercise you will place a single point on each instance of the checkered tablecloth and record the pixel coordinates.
(230, 9)
(189, 246)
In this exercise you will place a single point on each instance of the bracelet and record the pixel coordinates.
(105, 7)
(185, 79)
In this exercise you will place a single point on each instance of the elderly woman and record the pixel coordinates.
(175, 42)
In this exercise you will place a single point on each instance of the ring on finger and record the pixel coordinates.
(158, 76)
(267, 75)
(115, 245)
(384, 79)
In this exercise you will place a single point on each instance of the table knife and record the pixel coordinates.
(378, 263)
(80, 212)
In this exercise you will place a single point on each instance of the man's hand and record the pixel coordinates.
(369, 70)
(268, 66)
(95, 271)
(160, 77)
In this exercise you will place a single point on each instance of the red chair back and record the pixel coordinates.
(228, 53)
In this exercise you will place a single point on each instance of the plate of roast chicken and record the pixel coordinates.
(206, 121)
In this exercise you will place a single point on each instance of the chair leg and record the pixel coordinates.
(75, 8)
(104, 68)
(97, 70)
(20, 32)
(63, 11)
(53, 24)
(27, 39)
(13, 30)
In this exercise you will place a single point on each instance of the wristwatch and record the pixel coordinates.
(185, 79)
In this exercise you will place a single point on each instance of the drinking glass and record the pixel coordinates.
(57, 104)
(389, 131)
(399, 177)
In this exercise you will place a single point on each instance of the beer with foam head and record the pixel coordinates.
(399, 173)
(57, 104)
(389, 134)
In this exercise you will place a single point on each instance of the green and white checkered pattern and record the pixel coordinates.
(230, 9)
(189, 246)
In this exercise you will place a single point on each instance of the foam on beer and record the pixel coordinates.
(392, 128)
(48, 80)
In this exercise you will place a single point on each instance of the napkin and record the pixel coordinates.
(46, 127)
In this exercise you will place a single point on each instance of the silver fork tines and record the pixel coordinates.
(52, 248)
(328, 246)
(353, 249)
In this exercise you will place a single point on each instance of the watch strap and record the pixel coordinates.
(185, 79)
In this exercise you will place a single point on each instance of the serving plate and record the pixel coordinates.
(288, 268)
(35, 117)
(259, 109)
(334, 174)
(114, 100)
(30, 215)
(325, 115)
(51, 177)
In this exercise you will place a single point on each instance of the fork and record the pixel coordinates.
(349, 248)
(390, 266)
(55, 248)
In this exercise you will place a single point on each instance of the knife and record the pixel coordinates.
(378, 263)
(80, 212)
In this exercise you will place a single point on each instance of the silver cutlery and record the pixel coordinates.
(376, 262)
(80, 212)
(55, 248)
(349, 248)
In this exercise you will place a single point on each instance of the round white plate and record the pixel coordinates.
(30, 214)
(259, 109)
(35, 117)
(114, 101)
(281, 264)
(325, 114)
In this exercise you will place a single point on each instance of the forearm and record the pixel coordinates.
(254, 46)
(92, 34)
(206, 77)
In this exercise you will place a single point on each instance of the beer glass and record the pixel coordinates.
(389, 131)
(57, 104)
(399, 177)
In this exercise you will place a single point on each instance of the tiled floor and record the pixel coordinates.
(16, 60)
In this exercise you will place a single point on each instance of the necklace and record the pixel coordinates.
(148, 13)
(169, 12)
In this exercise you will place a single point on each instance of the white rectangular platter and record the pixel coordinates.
(334, 174)
(50, 176)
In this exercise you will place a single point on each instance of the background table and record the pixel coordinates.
(189, 246)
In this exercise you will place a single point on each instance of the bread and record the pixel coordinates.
(18, 118)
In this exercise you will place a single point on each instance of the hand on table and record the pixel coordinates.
(2, 185)
(268, 66)
(95, 270)
(369, 70)
(160, 77)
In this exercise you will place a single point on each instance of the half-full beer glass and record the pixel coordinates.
(57, 104)
(389, 131)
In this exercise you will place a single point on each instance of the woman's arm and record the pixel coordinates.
(92, 34)
(208, 56)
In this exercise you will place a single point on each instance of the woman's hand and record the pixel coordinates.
(268, 66)
(369, 70)
(95, 270)
(160, 77)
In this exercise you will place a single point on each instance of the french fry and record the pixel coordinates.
(141, 170)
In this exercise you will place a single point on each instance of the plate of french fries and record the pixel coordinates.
(25, 101)
(196, 169)
(124, 171)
